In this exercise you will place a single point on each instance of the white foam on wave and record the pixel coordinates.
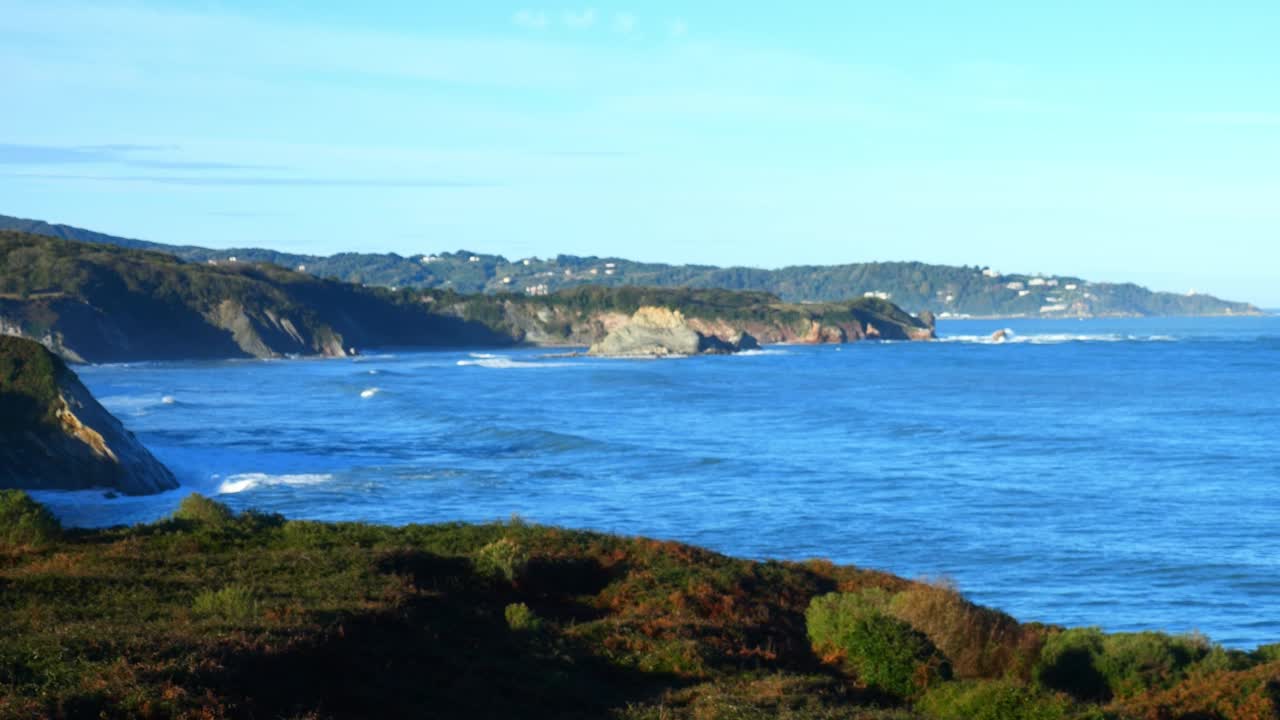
(369, 392)
(501, 363)
(135, 404)
(1054, 339)
(483, 356)
(247, 481)
(764, 351)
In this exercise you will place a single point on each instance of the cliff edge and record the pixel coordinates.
(55, 435)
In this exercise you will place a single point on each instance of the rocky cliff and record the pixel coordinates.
(661, 332)
(99, 303)
(54, 435)
(586, 316)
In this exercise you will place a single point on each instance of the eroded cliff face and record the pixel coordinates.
(266, 334)
(55, 435)
(563, 327)
(661, 332)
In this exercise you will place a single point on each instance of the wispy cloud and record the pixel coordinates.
(587, 154)
(625, 22)
(580, 20)
(118, 154)
(263, 181)
(1223, 119)
(531, 19)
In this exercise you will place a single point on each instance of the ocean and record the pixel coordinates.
(1117, 473)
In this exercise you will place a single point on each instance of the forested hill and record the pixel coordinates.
(941, 289)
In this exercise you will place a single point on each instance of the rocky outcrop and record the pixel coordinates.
(662, 332)
(55, 435)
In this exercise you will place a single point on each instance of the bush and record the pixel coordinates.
(196, 508)
(1136, 662)
(1069, 663)
(1096, 667)
(25, 522)
(502, 559)
(885, 652)
(233, 603)
(992, 700)
(1267, 653)
(978, 642)
(521, 619)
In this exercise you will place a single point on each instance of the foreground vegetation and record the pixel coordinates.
(212, 614)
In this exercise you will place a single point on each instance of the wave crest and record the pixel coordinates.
(247, 481)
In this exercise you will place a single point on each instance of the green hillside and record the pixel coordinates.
(941, 289)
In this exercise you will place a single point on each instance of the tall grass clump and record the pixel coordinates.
(978, 642)
(233, 604)
(198, 509)
(25, 522)
(885, 652)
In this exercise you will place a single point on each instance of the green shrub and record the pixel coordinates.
(1267, 653)
(25, 522)
(885, 652)
(1069, 663)
(1137, 662)
(992, 700)
(233, 603)
(1093, 666)
(196, 508)
(521, 619)
(503, 559)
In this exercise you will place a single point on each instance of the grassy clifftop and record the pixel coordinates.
(214, 615)
(29, 378)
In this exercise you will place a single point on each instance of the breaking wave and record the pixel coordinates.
(1011, 338)
(502, 363)
(247, 481)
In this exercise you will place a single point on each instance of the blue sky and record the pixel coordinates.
(1116, 141)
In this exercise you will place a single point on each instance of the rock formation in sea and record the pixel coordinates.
(662, 332)
(55, 435)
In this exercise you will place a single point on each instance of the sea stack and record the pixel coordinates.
(55, 436)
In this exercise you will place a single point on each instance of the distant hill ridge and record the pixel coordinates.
(940, 289)
(95, 302)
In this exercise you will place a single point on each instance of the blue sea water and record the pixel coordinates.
(1119, 473)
